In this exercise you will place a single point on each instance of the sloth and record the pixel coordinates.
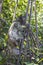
(15, 31)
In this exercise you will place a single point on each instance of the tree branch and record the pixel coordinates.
(36, 25)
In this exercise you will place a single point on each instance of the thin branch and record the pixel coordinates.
(30, 12)
(27, 10)
(1, 1)
(0, 7)
(15, 10)
(36, 25)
